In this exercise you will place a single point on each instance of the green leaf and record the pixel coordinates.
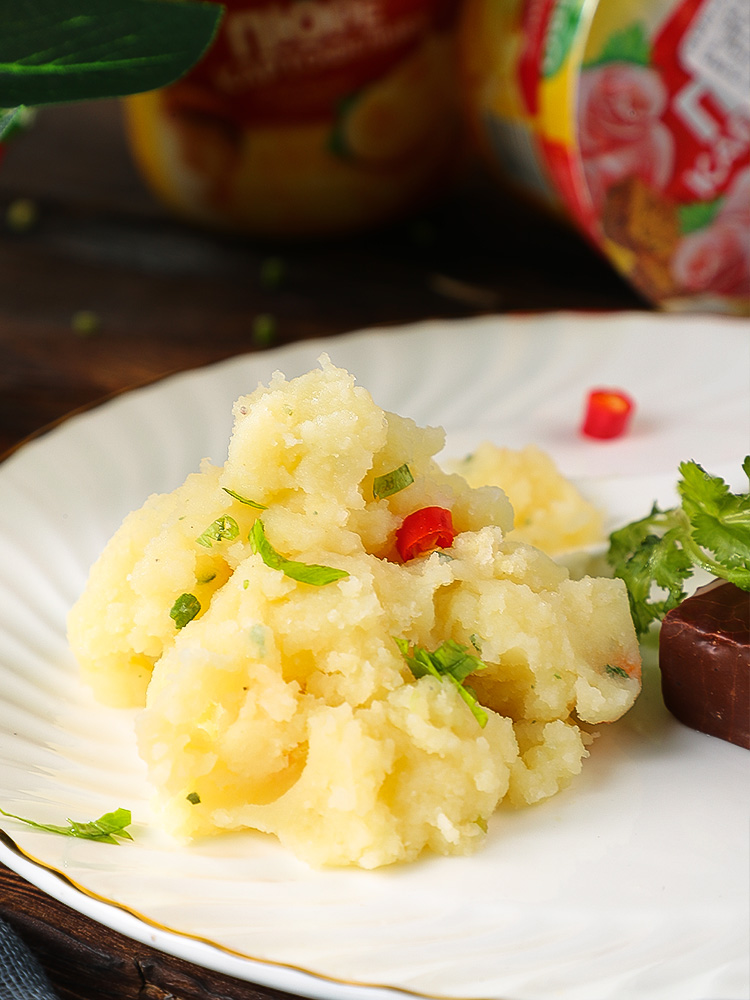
(648, 552)
(720, 521)
(317, 576)
(184, 609)
(105, 829)
(449, 660)
(74, 50)
(11, 120)
(218, 530)
(245, 500)
(657, 554)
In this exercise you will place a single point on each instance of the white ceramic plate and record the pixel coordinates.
(632, 883)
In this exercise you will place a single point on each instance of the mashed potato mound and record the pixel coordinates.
(549, 512)
(289, 707)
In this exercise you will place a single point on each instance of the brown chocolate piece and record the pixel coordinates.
(704, 657)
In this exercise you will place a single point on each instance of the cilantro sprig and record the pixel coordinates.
(317, 576)
(449, 660)
(656, 555)
(106, 829)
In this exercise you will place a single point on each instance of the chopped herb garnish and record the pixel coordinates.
(450, 660)
(392, 482)
(614, 671)
(193, 798)
(105, 829)
(310, 573)
(711, 529)
(245, 500)
(221, 528)
(184, 609)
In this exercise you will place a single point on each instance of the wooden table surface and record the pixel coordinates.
(168, 297)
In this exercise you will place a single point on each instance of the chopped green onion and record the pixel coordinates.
(317, 576)
(392, 482)
(221, 528)
(184, 609)
(245, 500)
(193, 798)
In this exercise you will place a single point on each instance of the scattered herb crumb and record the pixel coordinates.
(193, 798)
(21, 215)
(272, 272)
(85, 323)
(264, 330)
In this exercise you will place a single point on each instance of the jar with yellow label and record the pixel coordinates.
(308, 117)
(632, 118)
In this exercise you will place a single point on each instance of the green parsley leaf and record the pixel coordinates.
(450, 660)
(105, 829)
(221, 528)
(317, 576)
(184, 609)
(245, 500)
(75, 50)
(657, 554)
(392, 482)
(193, 798)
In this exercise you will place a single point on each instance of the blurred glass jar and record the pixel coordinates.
(632, 118)
(308, 117)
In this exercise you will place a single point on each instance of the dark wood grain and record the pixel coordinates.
(170, 297)
(85, 961)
